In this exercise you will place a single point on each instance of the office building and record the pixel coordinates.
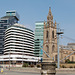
(19, 45)
(11, 18)
(19, 40)
(38, 46)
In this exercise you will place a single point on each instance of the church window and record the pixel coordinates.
(53, 48)
(47, 34)
(47, 49)
(52, 34)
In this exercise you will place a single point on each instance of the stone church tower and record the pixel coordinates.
(50, 37)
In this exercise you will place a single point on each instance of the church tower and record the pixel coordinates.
(50, 37)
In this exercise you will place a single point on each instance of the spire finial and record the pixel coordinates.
(50, 10)
(55, 23)
(49, 7)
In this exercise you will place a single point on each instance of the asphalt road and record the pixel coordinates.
(24, 73)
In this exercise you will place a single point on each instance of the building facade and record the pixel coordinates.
(50, 37)
(50, 43)
(19, 45)
(67, 52)
(38, 45)
(11, 18)
(46, 39)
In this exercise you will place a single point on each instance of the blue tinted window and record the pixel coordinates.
(1, 25)
(1, 31)
(4, 21)
(0, 43)
(5, 27)
(1, 37)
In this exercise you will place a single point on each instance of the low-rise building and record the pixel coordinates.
(67, 52)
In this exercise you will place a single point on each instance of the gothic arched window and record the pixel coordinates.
(53, 48)
(47, 48)
(55, 58)
(52, 34)
(47, 34)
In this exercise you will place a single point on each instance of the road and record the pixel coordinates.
(24, 73)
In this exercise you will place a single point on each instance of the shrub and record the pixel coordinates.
(74, 66)
(56, 66)
(71, 62)
(67, 60)
(71, 66)
(38, 65)
(63, 66)
(25, 65)
(31, 65)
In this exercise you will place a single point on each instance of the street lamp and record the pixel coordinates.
(58, 33)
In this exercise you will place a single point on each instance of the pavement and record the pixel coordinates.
(18, 73)
(21, 71)
(29, 73)
(37, 70)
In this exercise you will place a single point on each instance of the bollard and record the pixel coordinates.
(48, 68)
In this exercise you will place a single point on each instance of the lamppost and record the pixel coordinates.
(58, 33)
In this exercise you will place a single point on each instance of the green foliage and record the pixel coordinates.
(71, 62)
(63, 66)
(25, 65)
(31, 65)
(67, 60)
(38, 65)
(71, 66)
(56, 66)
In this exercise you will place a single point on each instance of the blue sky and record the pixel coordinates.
(31, 11)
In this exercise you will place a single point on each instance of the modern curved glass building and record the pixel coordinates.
(19, 44)
(19, 40)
